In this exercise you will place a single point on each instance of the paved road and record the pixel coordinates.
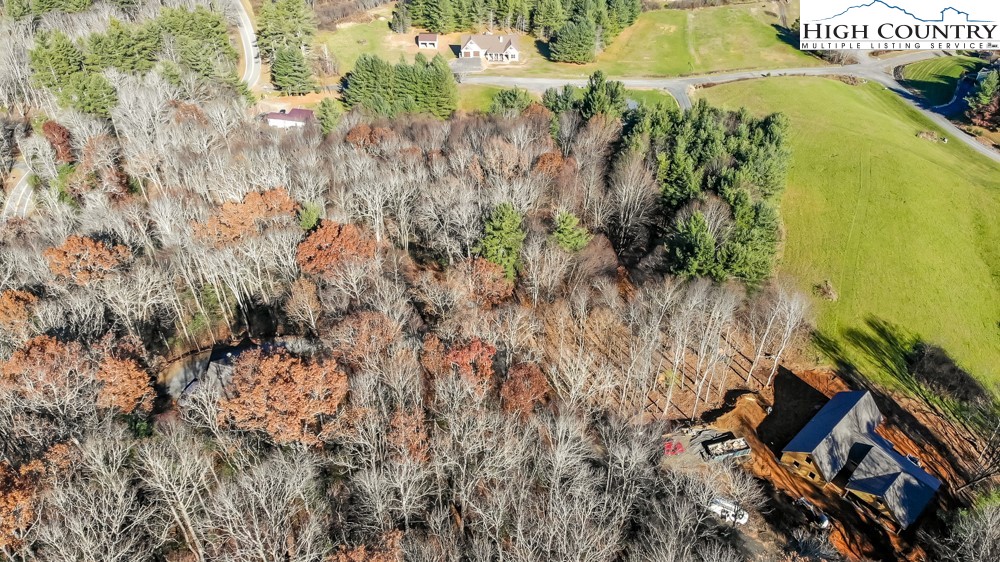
(872, 69)
(251, 72)
(19, 201)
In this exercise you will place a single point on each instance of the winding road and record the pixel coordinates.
(681, 87)
(19, 201)
(251, 56)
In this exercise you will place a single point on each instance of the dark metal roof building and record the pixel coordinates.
(845, 448)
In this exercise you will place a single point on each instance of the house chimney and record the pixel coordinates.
(501, 37)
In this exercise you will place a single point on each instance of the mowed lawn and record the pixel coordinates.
(677, 42)
(473, 97)
(906, 229)
(936, 79)
(652, 97)
(660, 43)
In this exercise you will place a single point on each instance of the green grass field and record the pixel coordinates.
(675, 42)
(473, 97)
(936, 79)
(660, 43)
(652, 97)
(905, 228)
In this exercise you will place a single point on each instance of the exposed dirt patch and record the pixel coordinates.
(945, 448)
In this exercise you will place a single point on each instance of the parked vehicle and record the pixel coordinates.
(728, 511)
(813, 513)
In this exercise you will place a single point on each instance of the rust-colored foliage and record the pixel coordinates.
(389, 550)
(331, 245)
(18, 501)
(15, 310)
(550, 163)
(188, 113)
(433, 356)
(83, 260)
(59, 137)
(125, 386)
(365, 335)
(408, 433)
(359, 135)
(283, 395)
(489, 282)
(474, 362)
(43, 363)
(525, 386)
(365, 136)
(234, 222)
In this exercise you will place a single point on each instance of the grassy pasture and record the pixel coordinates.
(936, 79)
(904, 228)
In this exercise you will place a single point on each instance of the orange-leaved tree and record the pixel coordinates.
(331, 245)
(525, 386)
(235, 222)
(285, 396)
(83, 260)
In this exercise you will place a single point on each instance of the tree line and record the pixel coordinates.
(387, 90)
(178, 41)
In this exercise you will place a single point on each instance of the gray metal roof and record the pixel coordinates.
(844, 430)
(834, 430)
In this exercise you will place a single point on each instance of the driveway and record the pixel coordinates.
(681, 87)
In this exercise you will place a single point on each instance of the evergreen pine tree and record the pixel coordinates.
(511, 102)
(89, 92)
(440, 91)
(284, 23)
(17, 9)
(401, 19)
(601, 96)
(438, 16)
(679, 179)
(410, 86)
(558, 101)
(574, 43)
(569, 234)
(503, 239)
(549, 17)
(55, 60)
(692, 248)
(985, 91)
(328, 114)
(371, 85)
(290, 72)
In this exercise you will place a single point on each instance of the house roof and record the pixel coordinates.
(298, 115)
(490, 43)
(834, 430)
(843, 431)
(427, 37)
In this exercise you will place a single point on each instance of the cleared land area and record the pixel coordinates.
(936, 79)
(660, 43)
(904, 228)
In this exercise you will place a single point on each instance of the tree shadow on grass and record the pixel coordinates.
(883, 348)
(786, 35)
